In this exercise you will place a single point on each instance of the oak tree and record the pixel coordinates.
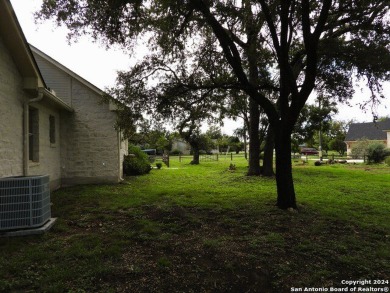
(304, 44)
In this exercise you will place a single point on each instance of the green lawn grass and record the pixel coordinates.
(208, 229)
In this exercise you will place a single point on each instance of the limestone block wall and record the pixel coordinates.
(89, 142)
(12, 98)
(91, 149)
(49, 153)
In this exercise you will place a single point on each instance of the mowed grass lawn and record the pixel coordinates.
(207, 229)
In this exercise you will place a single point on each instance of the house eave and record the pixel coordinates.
(67, 70)
(17, 45)
(53, 99)
(49, 98)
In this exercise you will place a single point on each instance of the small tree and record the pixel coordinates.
(359, 149)
(338, 146)
(235, 144)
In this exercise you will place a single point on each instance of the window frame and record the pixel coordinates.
(52, 130)
(33, 134)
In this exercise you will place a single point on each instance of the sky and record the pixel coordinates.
(99, 65)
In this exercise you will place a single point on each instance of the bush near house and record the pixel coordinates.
(377, 152)
(136, 163)
(374, 151)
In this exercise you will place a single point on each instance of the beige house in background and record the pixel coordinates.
(378, 132)
(52, 121)
(182, 146)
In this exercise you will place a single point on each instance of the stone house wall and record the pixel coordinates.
(89, 140)
(49, 153)
(12, 102)
(12, 98)
(91, 149)
(388, 139)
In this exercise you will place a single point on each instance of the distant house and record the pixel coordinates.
(376, 132)
(182, 146)
(52, 121)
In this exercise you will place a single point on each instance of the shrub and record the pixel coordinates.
(136, 163)
(377, 152)
(158, 165)
(387, 161)
(176, 152)
(317, 163)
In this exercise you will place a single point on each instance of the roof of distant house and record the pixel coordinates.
(370, 130)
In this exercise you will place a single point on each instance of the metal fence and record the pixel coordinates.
(233, 156)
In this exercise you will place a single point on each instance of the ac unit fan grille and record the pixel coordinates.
(24, 202)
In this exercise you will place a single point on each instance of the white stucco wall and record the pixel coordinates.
(388, 139)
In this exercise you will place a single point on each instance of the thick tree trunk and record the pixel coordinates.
(268, 161)
(284, 180)
(195, 156)
(254, 140)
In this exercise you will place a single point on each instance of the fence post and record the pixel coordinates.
(165, 159)
(231, 156)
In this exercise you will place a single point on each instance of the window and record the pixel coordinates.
(52, 129)
(33, 129)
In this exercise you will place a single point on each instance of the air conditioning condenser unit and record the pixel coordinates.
(24, 202)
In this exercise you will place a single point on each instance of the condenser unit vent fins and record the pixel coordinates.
(24, 202)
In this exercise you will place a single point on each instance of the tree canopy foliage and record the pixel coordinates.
(289, 47)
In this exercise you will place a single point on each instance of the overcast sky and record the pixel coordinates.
(99, 66)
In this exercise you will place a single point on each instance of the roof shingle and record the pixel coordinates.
(370, 131)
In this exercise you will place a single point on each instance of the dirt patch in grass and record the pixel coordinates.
(189, 250)
(193, 249)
